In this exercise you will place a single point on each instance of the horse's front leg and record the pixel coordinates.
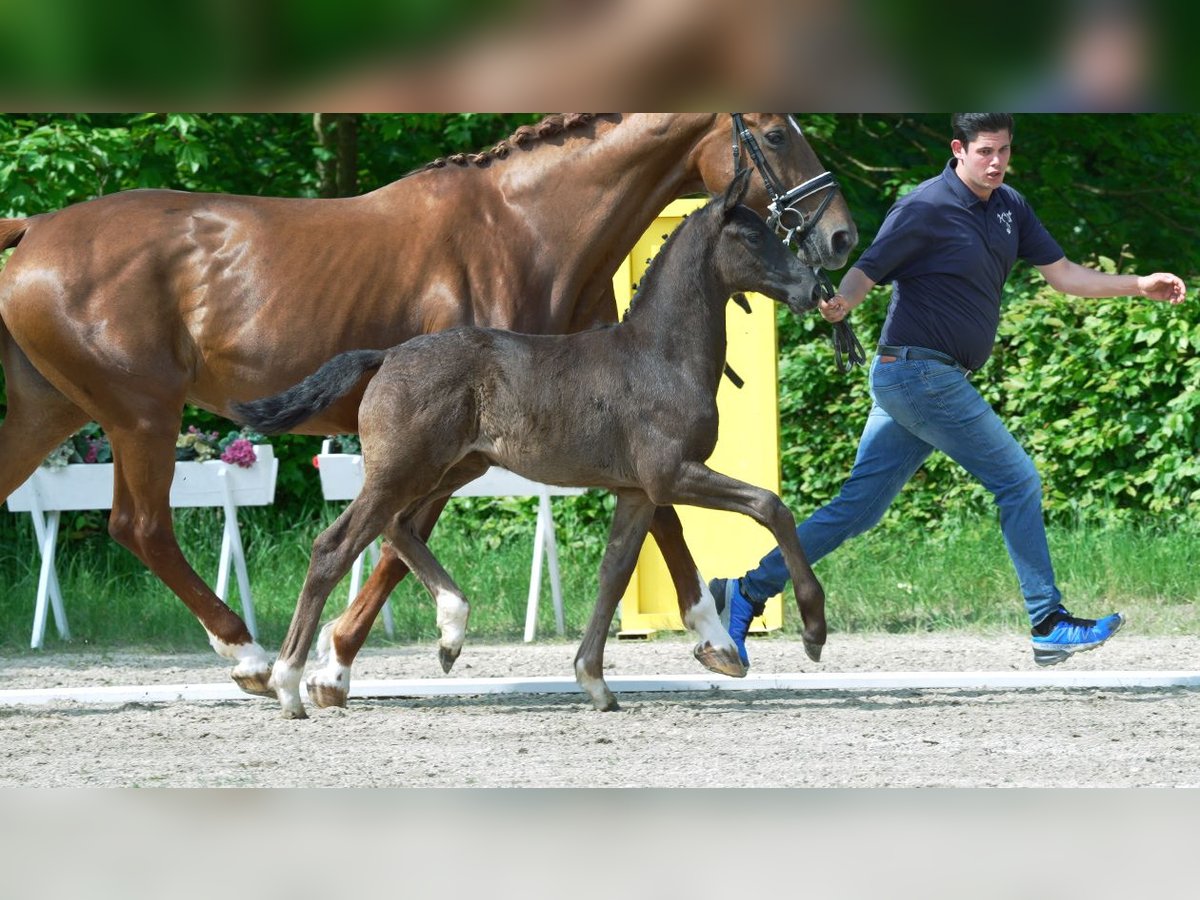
(631, 520)
(695, 484)
(716, 650)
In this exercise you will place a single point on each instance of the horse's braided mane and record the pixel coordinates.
(525, 135)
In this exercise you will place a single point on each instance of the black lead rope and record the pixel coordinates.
(734, 378)
(848, 351)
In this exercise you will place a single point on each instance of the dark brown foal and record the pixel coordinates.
(630, 407)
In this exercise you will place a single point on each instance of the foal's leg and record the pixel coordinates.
(697, 608)
(334, 551)
(452, 606)
(341, 639)
(631, 520)
(698, 485)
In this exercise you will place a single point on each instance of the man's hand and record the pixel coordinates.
(834, 309)
(1159, 286)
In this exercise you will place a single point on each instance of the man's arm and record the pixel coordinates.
(851, 292)
(1080, 281)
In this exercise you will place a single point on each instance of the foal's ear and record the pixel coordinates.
(737, 189)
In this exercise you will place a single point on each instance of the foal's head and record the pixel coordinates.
(748, 256)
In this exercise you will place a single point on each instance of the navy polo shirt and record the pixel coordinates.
(947, 255)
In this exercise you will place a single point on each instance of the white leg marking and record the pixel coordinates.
(452, 612)
(331, 673)
(703, 619)
(251, 658)
(325, 641)
(285, 681)
(594, 687)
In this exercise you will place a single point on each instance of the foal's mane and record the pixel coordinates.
(525, 136)
(692, 268)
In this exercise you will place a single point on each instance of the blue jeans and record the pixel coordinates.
(921, 406)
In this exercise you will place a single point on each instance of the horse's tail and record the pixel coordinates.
(11, 232)
(317, 392)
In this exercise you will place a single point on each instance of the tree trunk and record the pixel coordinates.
(337, 167)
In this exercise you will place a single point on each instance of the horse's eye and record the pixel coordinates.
(775, 137)
(753, 238)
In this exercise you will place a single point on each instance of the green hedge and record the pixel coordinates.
(1102, 393)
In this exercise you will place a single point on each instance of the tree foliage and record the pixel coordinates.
(1102, 393)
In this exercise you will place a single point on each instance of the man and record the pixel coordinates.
(947, 247)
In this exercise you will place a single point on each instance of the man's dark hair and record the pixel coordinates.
(968, 126)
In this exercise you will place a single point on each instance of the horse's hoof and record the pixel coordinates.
(293, 712)
(326, 695)
(255, 683)
(447, 657)
(813, 650)
(608, 705)
(722, 660)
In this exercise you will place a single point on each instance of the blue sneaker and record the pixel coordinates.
(1068, 635)
(737, 611)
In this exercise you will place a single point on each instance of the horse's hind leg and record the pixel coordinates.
(334, 551)
(144, 460)
(39, 417)
(452, 606)
(631, 521)
(341, 639)
(697, 608)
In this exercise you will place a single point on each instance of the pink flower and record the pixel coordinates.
(93, 451)
(240, 453)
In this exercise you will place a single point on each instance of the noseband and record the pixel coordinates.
(794, 227)
(790, 222)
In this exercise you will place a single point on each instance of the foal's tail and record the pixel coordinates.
(11, 232)
(317, 392)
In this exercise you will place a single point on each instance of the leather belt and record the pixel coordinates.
(921, 353)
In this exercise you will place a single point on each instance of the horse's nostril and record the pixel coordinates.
(843, 242)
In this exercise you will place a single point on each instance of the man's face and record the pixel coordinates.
(983, 162)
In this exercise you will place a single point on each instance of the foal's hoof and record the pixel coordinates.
(326, 695)
(255, 683)
(813, 650)
(447, 657)
(608, 704)
(722, 660)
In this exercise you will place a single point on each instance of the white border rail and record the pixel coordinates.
(629, 684)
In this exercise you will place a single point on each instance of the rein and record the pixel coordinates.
(794, 227)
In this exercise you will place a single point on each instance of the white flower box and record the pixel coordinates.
(48, 492)
(90, 485)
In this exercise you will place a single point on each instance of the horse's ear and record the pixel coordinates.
(737, 189)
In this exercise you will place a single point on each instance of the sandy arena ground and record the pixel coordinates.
(1041, 737)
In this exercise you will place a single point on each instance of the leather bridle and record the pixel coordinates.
(793, 226)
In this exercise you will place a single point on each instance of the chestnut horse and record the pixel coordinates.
(631, 408)
(124, 308)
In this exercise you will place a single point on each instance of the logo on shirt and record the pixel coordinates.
(1006, 220)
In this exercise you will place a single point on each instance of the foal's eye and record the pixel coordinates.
(775, 137)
